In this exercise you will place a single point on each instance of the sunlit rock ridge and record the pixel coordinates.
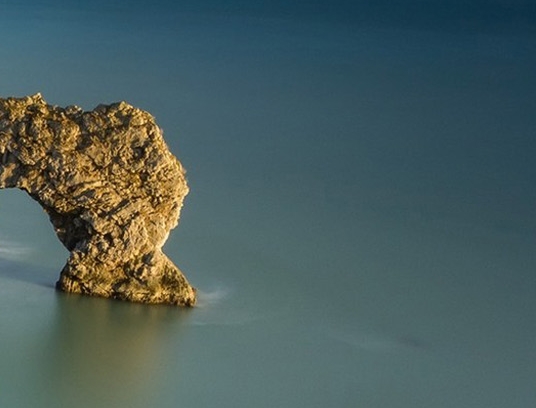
(111, 188)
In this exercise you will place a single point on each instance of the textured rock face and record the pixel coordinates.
(111, 188)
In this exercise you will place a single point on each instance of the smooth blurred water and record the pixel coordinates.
(361, 224)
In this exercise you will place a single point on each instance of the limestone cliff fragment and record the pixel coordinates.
(111, 188)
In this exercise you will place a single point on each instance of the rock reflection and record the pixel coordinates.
(106, 353)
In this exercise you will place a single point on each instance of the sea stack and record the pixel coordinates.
(111, 188)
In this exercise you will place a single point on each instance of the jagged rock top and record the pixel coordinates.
(111, 187)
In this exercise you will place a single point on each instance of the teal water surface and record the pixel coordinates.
(361, 223)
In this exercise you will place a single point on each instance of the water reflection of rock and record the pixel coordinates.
(102, 353)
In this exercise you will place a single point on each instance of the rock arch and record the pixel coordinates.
(112, 191)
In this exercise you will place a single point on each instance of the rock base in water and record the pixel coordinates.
(111, 188)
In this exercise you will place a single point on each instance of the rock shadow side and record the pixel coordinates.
(111, 188)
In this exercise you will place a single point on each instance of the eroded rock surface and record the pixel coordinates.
(111, 188)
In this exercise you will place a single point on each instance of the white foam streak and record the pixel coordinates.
(12, 251)
(212, 298)
(214, 309)
(374, 342)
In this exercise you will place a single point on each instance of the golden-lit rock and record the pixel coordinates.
(111, 188)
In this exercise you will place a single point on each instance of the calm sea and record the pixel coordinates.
(362, 219)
